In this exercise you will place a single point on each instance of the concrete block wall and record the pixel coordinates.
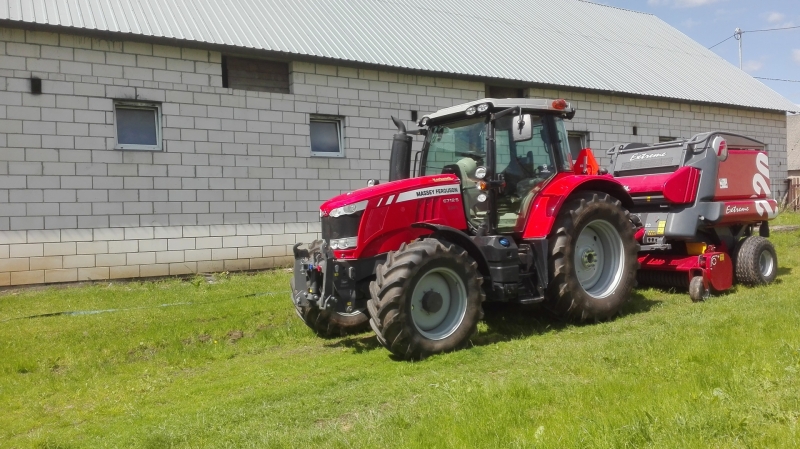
(235, 186)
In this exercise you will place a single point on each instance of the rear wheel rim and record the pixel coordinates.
(766, 263)
(438, 323)
(599, 259)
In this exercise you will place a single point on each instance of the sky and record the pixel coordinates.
(772, 54)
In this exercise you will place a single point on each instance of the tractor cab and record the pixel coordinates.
(503, 152)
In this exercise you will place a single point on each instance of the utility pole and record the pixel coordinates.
(738, 35)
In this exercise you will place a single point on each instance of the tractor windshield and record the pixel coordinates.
(459, 148)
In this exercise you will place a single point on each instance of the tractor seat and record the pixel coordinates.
(465, 170)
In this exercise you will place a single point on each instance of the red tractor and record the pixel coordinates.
(498, 211)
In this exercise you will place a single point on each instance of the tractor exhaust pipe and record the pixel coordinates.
(400, 161)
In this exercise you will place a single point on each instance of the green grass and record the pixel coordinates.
(237, 368)
(786, 218)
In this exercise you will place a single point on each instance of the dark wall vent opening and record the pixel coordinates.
(255, 74)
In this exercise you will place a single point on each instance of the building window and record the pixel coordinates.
(137, 126)
(577, 142)
(255, 74)
(504, 92)
(326, 136)
(662, 139)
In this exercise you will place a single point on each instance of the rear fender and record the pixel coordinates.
(547, 204)
(461, 239)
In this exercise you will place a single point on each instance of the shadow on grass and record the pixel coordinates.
(358, 343)
(506, 322)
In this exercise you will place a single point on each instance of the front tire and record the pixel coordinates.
(426, 299)
(756, 261)
(329, 324)
(593, 259)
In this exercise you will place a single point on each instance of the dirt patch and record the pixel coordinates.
(235, 335)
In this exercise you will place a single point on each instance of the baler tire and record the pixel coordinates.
(567, 297)
(327, 324)
(392, 299)
(751, 252)
(697, 290)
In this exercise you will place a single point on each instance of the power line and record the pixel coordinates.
(729, 37)
(777, 79)
(755, 31)
(771, 29)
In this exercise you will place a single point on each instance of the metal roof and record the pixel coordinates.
(570, 43)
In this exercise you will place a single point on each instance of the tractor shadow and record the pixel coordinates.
(357, 343)
(503, 322)
(506, 322)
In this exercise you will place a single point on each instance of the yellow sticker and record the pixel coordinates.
(722, 257)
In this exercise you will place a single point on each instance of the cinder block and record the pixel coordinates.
(60, 249)
(79, 261)
(93, 273)
(169, 256)
(176, 269)
(42, 236)
(210, 266)
(27, 277)
(109, 260)
(100, 247)
(26, 250)
(14, 264)
(249, 252)
(154, 270)
(61, 275)
(124, 272)
(237, 264)
(141, 258)
(223, 253)
(142, 233)
(123, 246)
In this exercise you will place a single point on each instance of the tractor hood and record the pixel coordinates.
(386, 194)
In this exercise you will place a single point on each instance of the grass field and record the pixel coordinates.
(193, 364)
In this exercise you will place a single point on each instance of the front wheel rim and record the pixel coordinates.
(599, 259)
(766, 263)
(438, 303)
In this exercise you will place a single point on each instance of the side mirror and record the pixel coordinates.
(522, 128)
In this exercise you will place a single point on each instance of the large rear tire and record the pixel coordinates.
(426, 299)
(593, 259)
(756, 261)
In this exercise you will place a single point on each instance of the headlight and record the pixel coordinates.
(349, 242)
(349, 209)
(483, 107)
(480, 172)
(470, 110)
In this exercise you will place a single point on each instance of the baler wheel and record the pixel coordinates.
(593, 258)
(426, 299)
(756, 261)
(697, 290)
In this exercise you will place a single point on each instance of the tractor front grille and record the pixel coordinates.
(341, 227)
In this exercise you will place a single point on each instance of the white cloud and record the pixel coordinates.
(681, 3)
(752, 66)
(693, 3)
(775, 17)
(796, 55)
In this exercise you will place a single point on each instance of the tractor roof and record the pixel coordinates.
(527, 104)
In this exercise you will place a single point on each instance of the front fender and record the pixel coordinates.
(461, 239)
